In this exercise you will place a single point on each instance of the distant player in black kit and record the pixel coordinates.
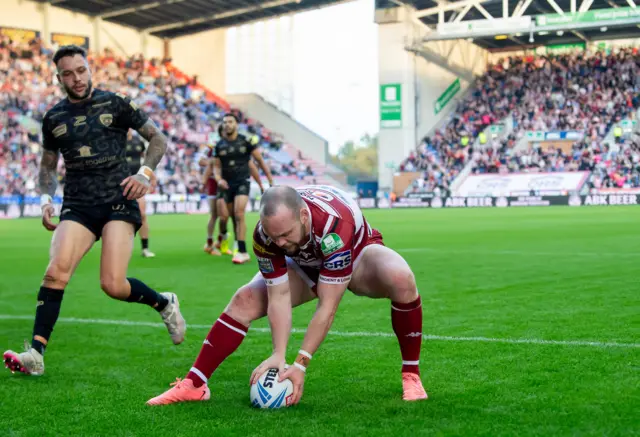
(135, 152)
(89, 128)
(231, 171)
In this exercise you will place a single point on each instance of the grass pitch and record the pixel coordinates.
(532, 318)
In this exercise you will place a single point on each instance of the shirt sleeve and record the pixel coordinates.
(337, 254)
(271, 260)
(130, 115)
(48, 140)
(252, 143)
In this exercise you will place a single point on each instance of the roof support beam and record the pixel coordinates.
(505, 8)
(586, 4)
(114, 12)
(520, 12)
(219, 16)
(555, 7)
(631, 3)
(483, 11)
(464, 12)
(449, 7)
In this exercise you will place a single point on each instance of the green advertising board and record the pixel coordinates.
(564, 48)
(594, 16)
(446, 96)
(390, 106)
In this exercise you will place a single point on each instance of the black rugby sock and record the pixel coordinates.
(145, 243)
(47, 311)
(242, 247)
(141, 293)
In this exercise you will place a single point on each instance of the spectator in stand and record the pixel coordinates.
(571, 92)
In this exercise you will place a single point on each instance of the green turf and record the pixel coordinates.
(548, 274)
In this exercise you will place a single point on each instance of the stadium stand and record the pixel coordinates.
(186, 112)
(591, 94)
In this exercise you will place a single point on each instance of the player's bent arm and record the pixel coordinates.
(255, 174)
(47, 179)
(329, 296)
(157, 144)
(279, 315)
(263, 165)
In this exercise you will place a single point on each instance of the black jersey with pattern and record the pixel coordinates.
(92, 138)
(234, 157)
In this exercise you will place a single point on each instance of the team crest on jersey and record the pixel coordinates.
(338, 261)
(330, 243)
(59, 130)
(243, 149)
(85, 152)
(106, 119)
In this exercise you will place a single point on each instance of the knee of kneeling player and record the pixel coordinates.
(57, 276)
(114, 287)
(404, 286)
(244, 307)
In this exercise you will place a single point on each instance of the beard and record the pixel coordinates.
(71, 93)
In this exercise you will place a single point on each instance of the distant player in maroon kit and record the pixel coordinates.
(311, 242)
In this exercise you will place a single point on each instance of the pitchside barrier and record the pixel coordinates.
(17, 207)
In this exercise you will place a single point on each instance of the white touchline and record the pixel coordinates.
(599, 344)
(514, 252)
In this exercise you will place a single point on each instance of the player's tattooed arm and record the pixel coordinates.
(47, 177)
(157, 144)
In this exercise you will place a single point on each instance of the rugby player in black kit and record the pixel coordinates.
(135, 152)
(231, 171)
(89, 128)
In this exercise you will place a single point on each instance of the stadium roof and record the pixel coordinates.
(174, 18)
(483, 9)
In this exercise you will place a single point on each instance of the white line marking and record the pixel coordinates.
(515, 252)
(599, 344)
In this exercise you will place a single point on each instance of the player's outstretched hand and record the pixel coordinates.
(47, 214)
(297, 378)
(223, 184)
(275, 361)
(135, 186)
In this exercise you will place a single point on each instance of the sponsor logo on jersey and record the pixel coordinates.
(106, 119)
(338, 261)
(243, 149)
(331, 243)
(260, 249)
(60, 130)
(265, 265)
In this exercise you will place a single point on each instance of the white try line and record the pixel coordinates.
(598, 344)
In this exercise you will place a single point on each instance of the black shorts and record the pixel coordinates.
(236, 189)
(96, 217)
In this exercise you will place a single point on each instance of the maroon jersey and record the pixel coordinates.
(212, 185)
(338, 234)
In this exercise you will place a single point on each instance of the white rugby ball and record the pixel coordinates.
(269, 393)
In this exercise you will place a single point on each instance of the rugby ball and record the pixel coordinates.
(269, 393)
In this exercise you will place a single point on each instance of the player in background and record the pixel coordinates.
(310, 243)
(217, 206)
(231, 169)
(135, 153)
(89, 128)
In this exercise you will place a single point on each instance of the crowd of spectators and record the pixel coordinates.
(576, 92)
(184, 111)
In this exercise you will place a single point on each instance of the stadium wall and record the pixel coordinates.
(310, 143)
(430, 79)
(203, 55)
(48, 19)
